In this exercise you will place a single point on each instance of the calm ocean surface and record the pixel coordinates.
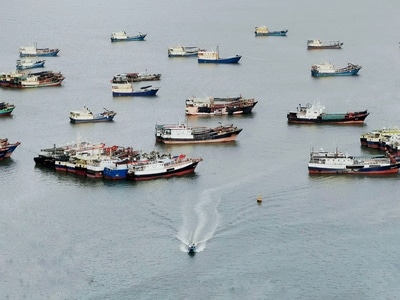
(63, 237)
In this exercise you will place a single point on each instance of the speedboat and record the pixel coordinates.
(192, 248)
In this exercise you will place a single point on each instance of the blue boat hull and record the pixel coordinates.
(151, 92)
(229, 60)
(115, 174)
(36, 65)
(371, 170)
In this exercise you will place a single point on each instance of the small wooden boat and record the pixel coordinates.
(264, 31)
(86, 116)
(213, 57)
(126, 89)
(6, 109)
(23, 64)
(121, 36)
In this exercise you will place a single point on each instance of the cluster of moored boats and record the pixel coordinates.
(30, 59)
(115, 162)
(99, 161)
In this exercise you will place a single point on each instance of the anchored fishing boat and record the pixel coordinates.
(48, 156)
(315, 114)
(134, 77)
(179, 51)
(318, 44)
(122, 36)
(161, 166)
(183, 134)
(86, 116)
(31, 80)
(6, 109)
(34, 51)
(27, 63)
(374, 138)
(264, 31)
(204, 56)
(126, 89)
(327, 69)
(6, 148)
(219, 106)
(323, 162)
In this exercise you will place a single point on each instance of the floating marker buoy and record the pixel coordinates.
(259, 199)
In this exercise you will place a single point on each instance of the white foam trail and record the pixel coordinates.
(202, 229)
(201, 226)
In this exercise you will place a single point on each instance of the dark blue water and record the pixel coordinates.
(63, 237)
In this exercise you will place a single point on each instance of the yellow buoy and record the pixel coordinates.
(259, 199)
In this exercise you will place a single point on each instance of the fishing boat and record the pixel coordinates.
(315, 114)
(86, 116)
(95, 166)
(374, 138)
(7, 148)
(34, 51)
(31, 80)
(392, 144)
(196, 106)
(134, 77)
(336, 162)
(48, 156)
(161, 166)
(6, 109)
(192, 249)
(318, 44)
(183, 134)
(204, 57)
(179, 51)
(122, 36)
(264, 31)
(92, 162)
(327, 69)
(27, 63)
(126, 89)
(117, 171)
